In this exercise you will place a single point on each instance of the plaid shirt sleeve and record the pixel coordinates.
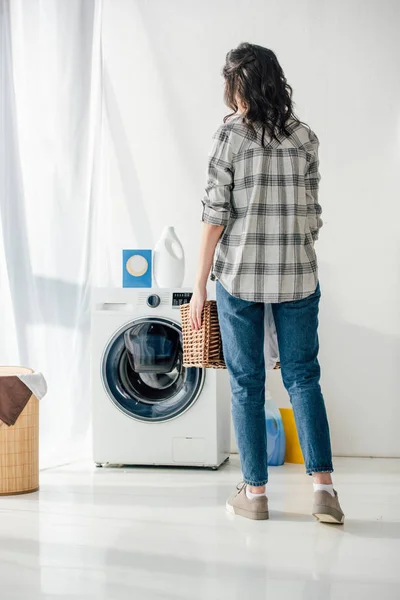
(312, 179)
(217, 201)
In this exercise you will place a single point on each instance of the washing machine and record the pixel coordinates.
(148, 409)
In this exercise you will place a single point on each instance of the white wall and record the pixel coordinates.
(164, 100)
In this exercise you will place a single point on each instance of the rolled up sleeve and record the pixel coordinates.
(217, 201)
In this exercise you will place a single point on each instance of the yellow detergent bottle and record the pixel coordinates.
(293, 450)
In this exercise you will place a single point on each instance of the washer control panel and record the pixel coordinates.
(179, 298)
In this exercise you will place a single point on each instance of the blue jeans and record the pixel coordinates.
(242, 331)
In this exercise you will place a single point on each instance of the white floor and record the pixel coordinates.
(147, 534)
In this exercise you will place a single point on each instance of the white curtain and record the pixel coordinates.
(50, 130)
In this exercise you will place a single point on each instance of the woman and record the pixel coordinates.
(261, 218)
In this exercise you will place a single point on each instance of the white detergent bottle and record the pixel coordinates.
(168, 260)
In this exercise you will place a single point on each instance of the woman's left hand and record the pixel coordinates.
(196, 306)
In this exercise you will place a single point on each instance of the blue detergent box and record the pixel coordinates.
(136, 268)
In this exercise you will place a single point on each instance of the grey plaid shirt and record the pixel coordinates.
(267, 199)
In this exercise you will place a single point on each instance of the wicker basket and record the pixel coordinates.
(202, 347)
(19, 447)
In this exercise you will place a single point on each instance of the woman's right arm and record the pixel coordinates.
(216, 211)
(209, 237)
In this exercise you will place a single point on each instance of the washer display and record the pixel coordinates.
(143, 372)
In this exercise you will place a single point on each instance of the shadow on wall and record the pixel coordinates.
(57, 303)
(63, 304)
(66, 306)
(360, 384)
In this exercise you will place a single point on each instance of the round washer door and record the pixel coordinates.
(143, 374)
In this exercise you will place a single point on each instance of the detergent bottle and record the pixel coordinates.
(168, 260)
(276, 442)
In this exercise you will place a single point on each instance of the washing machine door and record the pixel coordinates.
(143, 372)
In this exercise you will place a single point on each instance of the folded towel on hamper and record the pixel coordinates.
(15, 391)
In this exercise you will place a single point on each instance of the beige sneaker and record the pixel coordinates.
(240, 504)
(327, 508)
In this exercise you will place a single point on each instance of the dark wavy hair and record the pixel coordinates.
(253, 74)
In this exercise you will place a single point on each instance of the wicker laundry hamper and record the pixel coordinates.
(19, 446)
(202, 347)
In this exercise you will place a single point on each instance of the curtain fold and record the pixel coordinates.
(50, 143)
